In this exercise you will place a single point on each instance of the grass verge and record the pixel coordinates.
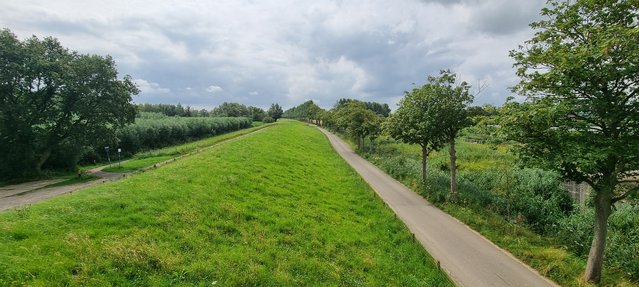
(149, 158)
(278, 207)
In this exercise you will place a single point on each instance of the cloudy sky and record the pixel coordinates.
(203, 53)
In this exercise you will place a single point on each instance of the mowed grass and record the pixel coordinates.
(275, 208)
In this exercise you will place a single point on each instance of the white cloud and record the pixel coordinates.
(254, 93)
(214, 89)
(147, 87)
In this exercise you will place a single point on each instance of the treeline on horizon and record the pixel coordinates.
(226, 109)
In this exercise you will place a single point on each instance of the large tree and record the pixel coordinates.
(414, 122)
(580, 73)
(275, 111)
(450, 113)
(358, 121)
(51, 97)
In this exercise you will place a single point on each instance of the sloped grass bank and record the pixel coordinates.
(275, 208)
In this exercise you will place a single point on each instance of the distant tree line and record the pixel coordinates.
(226, 109)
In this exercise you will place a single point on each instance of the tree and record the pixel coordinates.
(450, 113)
(51, 97)
(231, 110)
(414, 122)
(357, 121)
(257, 114)
(275, 112)
(580, 73)
(381, 109)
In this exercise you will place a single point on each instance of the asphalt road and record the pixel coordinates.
(468, 258)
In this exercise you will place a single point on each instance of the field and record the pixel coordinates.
(277, 207)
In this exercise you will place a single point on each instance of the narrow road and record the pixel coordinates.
(469, 258)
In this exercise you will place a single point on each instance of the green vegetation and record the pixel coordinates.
(149, 158)
(73, 180)
(521, 210)
(54, 103)
(278, 207)
(580, 75)
(431, 116)
(149, 133)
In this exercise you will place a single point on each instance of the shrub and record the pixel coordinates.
(622, 249)
(153, 131)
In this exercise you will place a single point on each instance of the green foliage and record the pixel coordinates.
(275, 111)
(230, 110)
(580, 73)
(53, 100)
(215, 219)
(307, 111)
(380, 109)
(575, 231)
(357, 121)
(171, 110)
(150, 133)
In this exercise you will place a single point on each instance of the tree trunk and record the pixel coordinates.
(360, 143)
(424, 158)
(43, 158)
(453, 167)
(603, 204)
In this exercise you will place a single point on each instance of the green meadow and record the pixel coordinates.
(274, 208)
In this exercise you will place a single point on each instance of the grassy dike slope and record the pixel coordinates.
(278, 207)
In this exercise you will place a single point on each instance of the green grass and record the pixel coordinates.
(149, 158)
(275, 208)
(542, 253)
(73, 180)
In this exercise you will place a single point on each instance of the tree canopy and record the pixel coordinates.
(357, 121)
(580, 73)
(53, 99)
(275, 111)
(415, 123)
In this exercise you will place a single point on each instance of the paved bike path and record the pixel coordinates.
(468, 258)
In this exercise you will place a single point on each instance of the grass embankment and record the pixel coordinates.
(149, 158)
(278, 207)
(543, 253)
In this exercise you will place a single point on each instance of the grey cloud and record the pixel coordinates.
(372, 50)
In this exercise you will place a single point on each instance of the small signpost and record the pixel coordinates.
(106, 148)
(119, 151)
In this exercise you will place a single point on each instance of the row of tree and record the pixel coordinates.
(224, 110)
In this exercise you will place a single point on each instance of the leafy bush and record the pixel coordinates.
(153, 131)
(538, 197)
(622, 249)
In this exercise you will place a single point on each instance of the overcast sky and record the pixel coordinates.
(203, 53)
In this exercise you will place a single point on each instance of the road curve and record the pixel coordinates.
(467, 257)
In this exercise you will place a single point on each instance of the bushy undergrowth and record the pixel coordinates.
(528, 195)
(489, 179)
(149, 132)
(622, 247)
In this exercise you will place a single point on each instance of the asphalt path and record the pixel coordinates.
(467, 257)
